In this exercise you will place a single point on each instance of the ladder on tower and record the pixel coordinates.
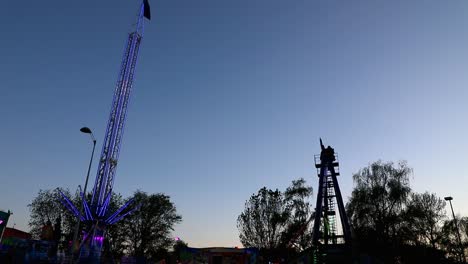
(331, 213)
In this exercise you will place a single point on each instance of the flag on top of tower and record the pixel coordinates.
(146, 10)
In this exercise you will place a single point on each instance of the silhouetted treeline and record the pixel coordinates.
(393, 224)
(390, 222)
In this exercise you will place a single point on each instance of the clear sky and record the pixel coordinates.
(231, 96)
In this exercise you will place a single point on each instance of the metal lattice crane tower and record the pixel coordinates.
(105, 177)
(96, 212)
(332, 238)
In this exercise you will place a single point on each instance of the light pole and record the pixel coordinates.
(85, 130)
(449, 199)
(88, 131)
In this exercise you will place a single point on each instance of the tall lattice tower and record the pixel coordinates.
(331, 238)
(96, 216)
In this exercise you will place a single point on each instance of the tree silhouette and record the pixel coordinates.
(425, 214)
(298, 232)
(148, 230)
(378, 201)
(264, 220)
(277, 221)
(45, 207)
(394, 224)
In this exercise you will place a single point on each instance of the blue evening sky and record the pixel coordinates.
(231, 96)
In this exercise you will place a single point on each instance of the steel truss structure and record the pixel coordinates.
(330, 235)
(96, 215)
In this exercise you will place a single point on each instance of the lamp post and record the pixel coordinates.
(85, 130)
(88, 131)
(449, 199)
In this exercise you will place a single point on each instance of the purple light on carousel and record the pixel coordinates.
(99, 238)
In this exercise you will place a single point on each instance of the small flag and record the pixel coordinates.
(146, 10)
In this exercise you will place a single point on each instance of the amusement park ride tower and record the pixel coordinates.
(96, 216)
(331, 238)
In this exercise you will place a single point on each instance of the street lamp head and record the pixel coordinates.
(448, 198)
(86, 130)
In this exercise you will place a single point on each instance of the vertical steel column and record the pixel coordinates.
(112, 142)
